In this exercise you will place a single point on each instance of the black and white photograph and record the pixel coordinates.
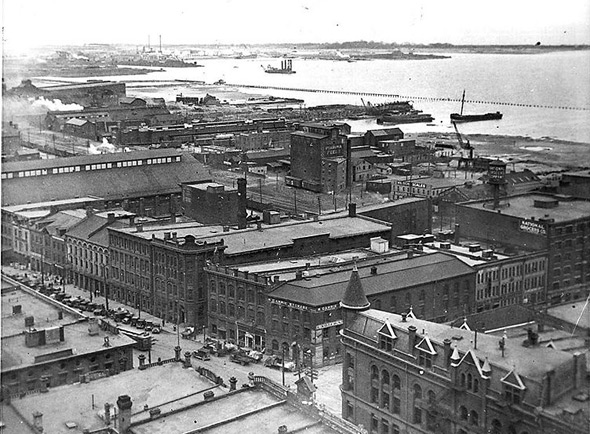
(273, 217)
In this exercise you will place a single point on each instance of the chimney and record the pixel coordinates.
(166, 235)
(131, 221)
(111, 218)
(352, 209)
(457, 234)
(242, 224)
(411, 338)
(298, 275)
(410, 254)
(93, 327)
(447, 351)
(174, 235)
(139, 227)
(373, 270)
(404, 317)
(124, 403)
(259, 225)
(89, 211)
(38, 421)
(141, 207)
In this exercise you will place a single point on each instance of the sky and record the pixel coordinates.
(33, 23)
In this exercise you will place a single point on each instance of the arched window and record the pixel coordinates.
(275, 345)
(469, 381)
(374, 373)
(496, 427)
(463, 413)
(431, 397)
(462, 380)
(395, 381)
(474, 419)
(385, 377)
(476, 385)
(417, 391)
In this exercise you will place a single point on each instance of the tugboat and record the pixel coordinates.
(460, 117)
(286, 68)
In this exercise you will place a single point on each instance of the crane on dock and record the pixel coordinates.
(464, 145)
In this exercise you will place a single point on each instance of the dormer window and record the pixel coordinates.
(387, 337)
(513, 388)
(425, 352)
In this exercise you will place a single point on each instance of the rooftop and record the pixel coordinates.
(522, 206)
(155, 387)
(310, 135)
(46, 312)
(392, 273)
(47, 204)
(111, 184)
(271, 237)
(531, 362)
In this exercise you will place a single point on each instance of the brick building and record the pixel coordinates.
(211, 203)
(46, 344)
(402, 374)
(307, 310)
(374, 137)
(559, 225)
(88, 249)
(319, 156)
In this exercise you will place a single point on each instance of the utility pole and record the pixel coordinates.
(319, 205)
(295, 199)
(260, 188)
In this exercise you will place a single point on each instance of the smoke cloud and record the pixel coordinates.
(104, 148)
(54, 105)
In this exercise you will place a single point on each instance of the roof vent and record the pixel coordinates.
(17, 309)
(373, 270)
(546, 202)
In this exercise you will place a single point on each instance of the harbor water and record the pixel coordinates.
(554, 88)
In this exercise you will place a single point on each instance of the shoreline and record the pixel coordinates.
(541, 155)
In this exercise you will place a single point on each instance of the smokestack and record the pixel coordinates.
(141, 207)
(242, 203)
(457, 234)
(111, 218)
(124, 403)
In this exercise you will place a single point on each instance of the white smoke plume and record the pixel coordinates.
(104, 148)
(55, 105)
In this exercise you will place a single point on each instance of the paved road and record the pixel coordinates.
(328, 381)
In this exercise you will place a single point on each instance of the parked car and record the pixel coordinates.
(156, 329)
(240, 358)
(140, 323)
(201, 355)
(277, 363)
(148, 326)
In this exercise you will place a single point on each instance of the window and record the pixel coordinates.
(463, 413)
(385, 343)
(512, 394)
(474, 418)
(425, 359)
(374, 423)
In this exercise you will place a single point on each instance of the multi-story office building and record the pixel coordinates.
(559, 225)
(406, 375)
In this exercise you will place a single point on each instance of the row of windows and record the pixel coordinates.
(89, 167)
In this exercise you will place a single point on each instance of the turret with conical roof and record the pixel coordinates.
(354, 296)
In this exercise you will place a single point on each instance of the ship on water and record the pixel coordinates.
(460, 117)
(286, 68)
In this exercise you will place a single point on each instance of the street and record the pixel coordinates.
(328, 381)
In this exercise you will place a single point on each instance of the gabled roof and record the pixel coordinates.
(426, 346)
(470, 356)
(385, 132)
(513, 379)
(94, 230)
(387, 330)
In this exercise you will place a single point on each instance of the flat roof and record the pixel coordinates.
(270, 237)
(310, 135)
(47, 204)
(522, 206)
(573, 313)
(205, 185)
(165, 387)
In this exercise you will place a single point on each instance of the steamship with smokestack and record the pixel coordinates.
(286, 68)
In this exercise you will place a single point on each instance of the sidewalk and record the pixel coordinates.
(78, 292)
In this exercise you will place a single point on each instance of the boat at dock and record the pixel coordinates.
(460, 117)
(405, 118)
(286, 68)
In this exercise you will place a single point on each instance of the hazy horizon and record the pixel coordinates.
(37, 23)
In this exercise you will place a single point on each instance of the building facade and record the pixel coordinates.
(558, 225)
(403, 375)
